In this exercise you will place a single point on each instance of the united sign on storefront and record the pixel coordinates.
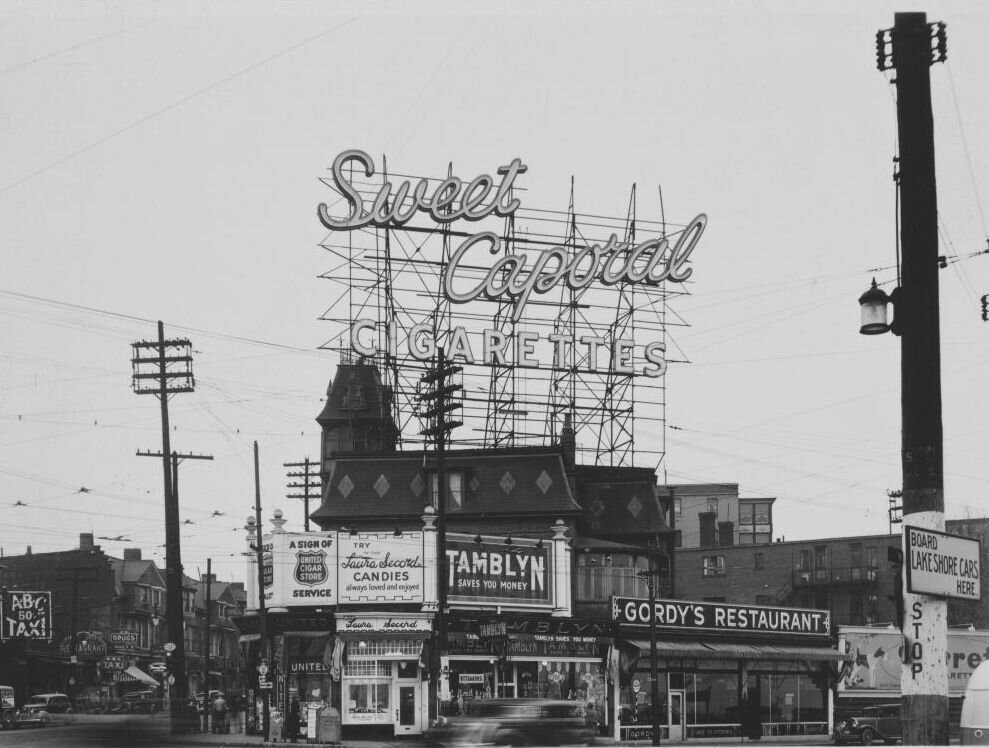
(326, 568)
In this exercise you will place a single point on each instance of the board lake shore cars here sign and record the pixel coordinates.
(942, 565)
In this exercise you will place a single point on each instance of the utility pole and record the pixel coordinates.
(650, 576)
(163, 368)
(440, 404)
(310, 483)
(209, 587)
(263, 647)
(913, 46)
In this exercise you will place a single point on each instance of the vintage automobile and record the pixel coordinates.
(514, 722)
(141, 702)
(874, 724)
(11, 717)
(53, 703)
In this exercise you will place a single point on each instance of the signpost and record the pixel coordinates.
(942, 565)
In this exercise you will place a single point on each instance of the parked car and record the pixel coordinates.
(11, 717)
(514, 722)
(141, 702)
(875, 724)
(53, 703)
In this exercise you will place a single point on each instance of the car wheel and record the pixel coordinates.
(45, 719)
(7, 723)
(868, 736)
(70, 710)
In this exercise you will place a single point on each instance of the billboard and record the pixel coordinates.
(489, 573)
(304, 568)
(381, 567)
(26, 615)
(877, 659)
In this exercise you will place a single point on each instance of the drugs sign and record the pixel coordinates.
(26, 615)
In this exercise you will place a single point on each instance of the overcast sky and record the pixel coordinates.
(162, 161)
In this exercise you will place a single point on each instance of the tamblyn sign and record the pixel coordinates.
(652, 261)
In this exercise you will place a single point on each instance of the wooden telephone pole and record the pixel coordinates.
(162, 368)
(910, 48)
(310, 486)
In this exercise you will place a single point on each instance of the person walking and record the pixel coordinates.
(219, 714)
(293, 720)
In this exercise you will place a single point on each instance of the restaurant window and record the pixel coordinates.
(714, 566)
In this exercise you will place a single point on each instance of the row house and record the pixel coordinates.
(108, 627)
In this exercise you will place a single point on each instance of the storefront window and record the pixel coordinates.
(712, 698)
(308, 675)
(636, 697)
(366, 691)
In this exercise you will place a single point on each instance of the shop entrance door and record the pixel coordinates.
(675, 715)
(406, 700)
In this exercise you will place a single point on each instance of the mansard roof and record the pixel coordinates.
(355, 393)
(503, 482)
(620, 501)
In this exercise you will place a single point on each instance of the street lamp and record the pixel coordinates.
(874, 317)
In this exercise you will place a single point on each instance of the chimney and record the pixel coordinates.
(132, 554)
(85, 541)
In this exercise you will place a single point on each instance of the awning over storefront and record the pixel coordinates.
(135, 673)
(348, 636)
(244, 638)
(725, 651)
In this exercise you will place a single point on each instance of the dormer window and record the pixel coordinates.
(353, 398)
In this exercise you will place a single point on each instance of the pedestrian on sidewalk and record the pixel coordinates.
(293, 720)
(219, 714)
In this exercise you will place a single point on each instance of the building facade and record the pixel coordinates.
(108, 627)
(400, 610)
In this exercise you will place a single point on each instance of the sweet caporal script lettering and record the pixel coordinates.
(613, 262)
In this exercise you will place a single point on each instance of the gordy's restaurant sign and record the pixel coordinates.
(652, 261)
(723, 617)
